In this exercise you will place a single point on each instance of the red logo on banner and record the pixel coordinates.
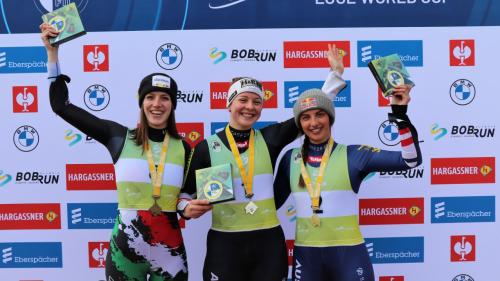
(90, 177)
(192, 133)
(95, 58)
(97, 254)
(463, 248)
(25, 99)
(463, 170)
(391, 278)
(313, 54)
(382, 101)
(391, 211)
(289, 249)
(30, 216)
(218, 94)
(462, 53)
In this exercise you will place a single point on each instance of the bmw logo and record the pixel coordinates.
(388, 133)
(462, 92)
(26, 138)
(462, 277)
(96, 97)
(169, 56)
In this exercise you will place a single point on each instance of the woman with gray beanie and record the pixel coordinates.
(324, 178)
(150, 161)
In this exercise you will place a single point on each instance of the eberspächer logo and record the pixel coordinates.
(169, 56)
(462, 92)
(31, 255)
(26, 138)
(96, 97)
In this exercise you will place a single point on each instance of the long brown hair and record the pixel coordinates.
(140, 134)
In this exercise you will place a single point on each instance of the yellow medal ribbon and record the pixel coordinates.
(247, 178)
(314, 193)
(157, 174)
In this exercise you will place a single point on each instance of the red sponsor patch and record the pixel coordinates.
(391, 211)
(24, 99)
(462, 52)
(391, 278)
(30, 216)
(382, 101)
(95, 58)
(463, 248)
(97, 254)
(90, 177)
(313, 54)
(218, 94)
(290, 244)
(463, 170)
(192, 133)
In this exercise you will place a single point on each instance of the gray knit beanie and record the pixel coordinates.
(313, 99)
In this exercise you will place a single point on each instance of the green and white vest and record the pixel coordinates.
(339, 220)
(134, 183)
(231, 216)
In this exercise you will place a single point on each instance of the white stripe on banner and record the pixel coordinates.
(133, 170)
(262, 189)
(335, 204)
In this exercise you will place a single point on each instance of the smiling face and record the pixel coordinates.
(245, 110)
(316, 125)
(157, 107)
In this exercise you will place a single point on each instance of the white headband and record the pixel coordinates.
(244, 85)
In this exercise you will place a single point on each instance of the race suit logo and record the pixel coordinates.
(30, 216)
(95, 58)
(97, 254)
(192, 133)
(25, 99)
(463, 209)
(289, 249)
(462, 53)
(31, 255)
(218, 94)
(313, 54)
(463, 248)
(90, 177)
(391, 211)
(463, 170)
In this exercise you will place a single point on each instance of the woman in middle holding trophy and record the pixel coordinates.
(246, 241)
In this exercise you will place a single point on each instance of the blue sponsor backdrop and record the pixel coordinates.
(463, 209)
(294, 88)
(410, 51)
(91, 215)
(31, 255)
(118, 15)
(396, 249)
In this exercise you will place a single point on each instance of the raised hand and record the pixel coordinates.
(47, 31)
(335, 59)
(401, 95)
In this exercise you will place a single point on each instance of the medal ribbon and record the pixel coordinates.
(157, 174)
(314, 193)
(247, 178)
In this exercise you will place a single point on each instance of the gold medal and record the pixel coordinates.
(157, 174)
(315, 220)
(155, 209)
(251, 208)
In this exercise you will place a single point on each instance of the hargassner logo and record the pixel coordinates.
(463, 170)
(410, 51)
(90, 177)
(293, 89)
(396, 249)
(463, 209)
(192, 133)
(23, 60)
(391, 211)
(216, 127)
(91, 215)
(30, 216)
(313, 54)
(31, 255)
